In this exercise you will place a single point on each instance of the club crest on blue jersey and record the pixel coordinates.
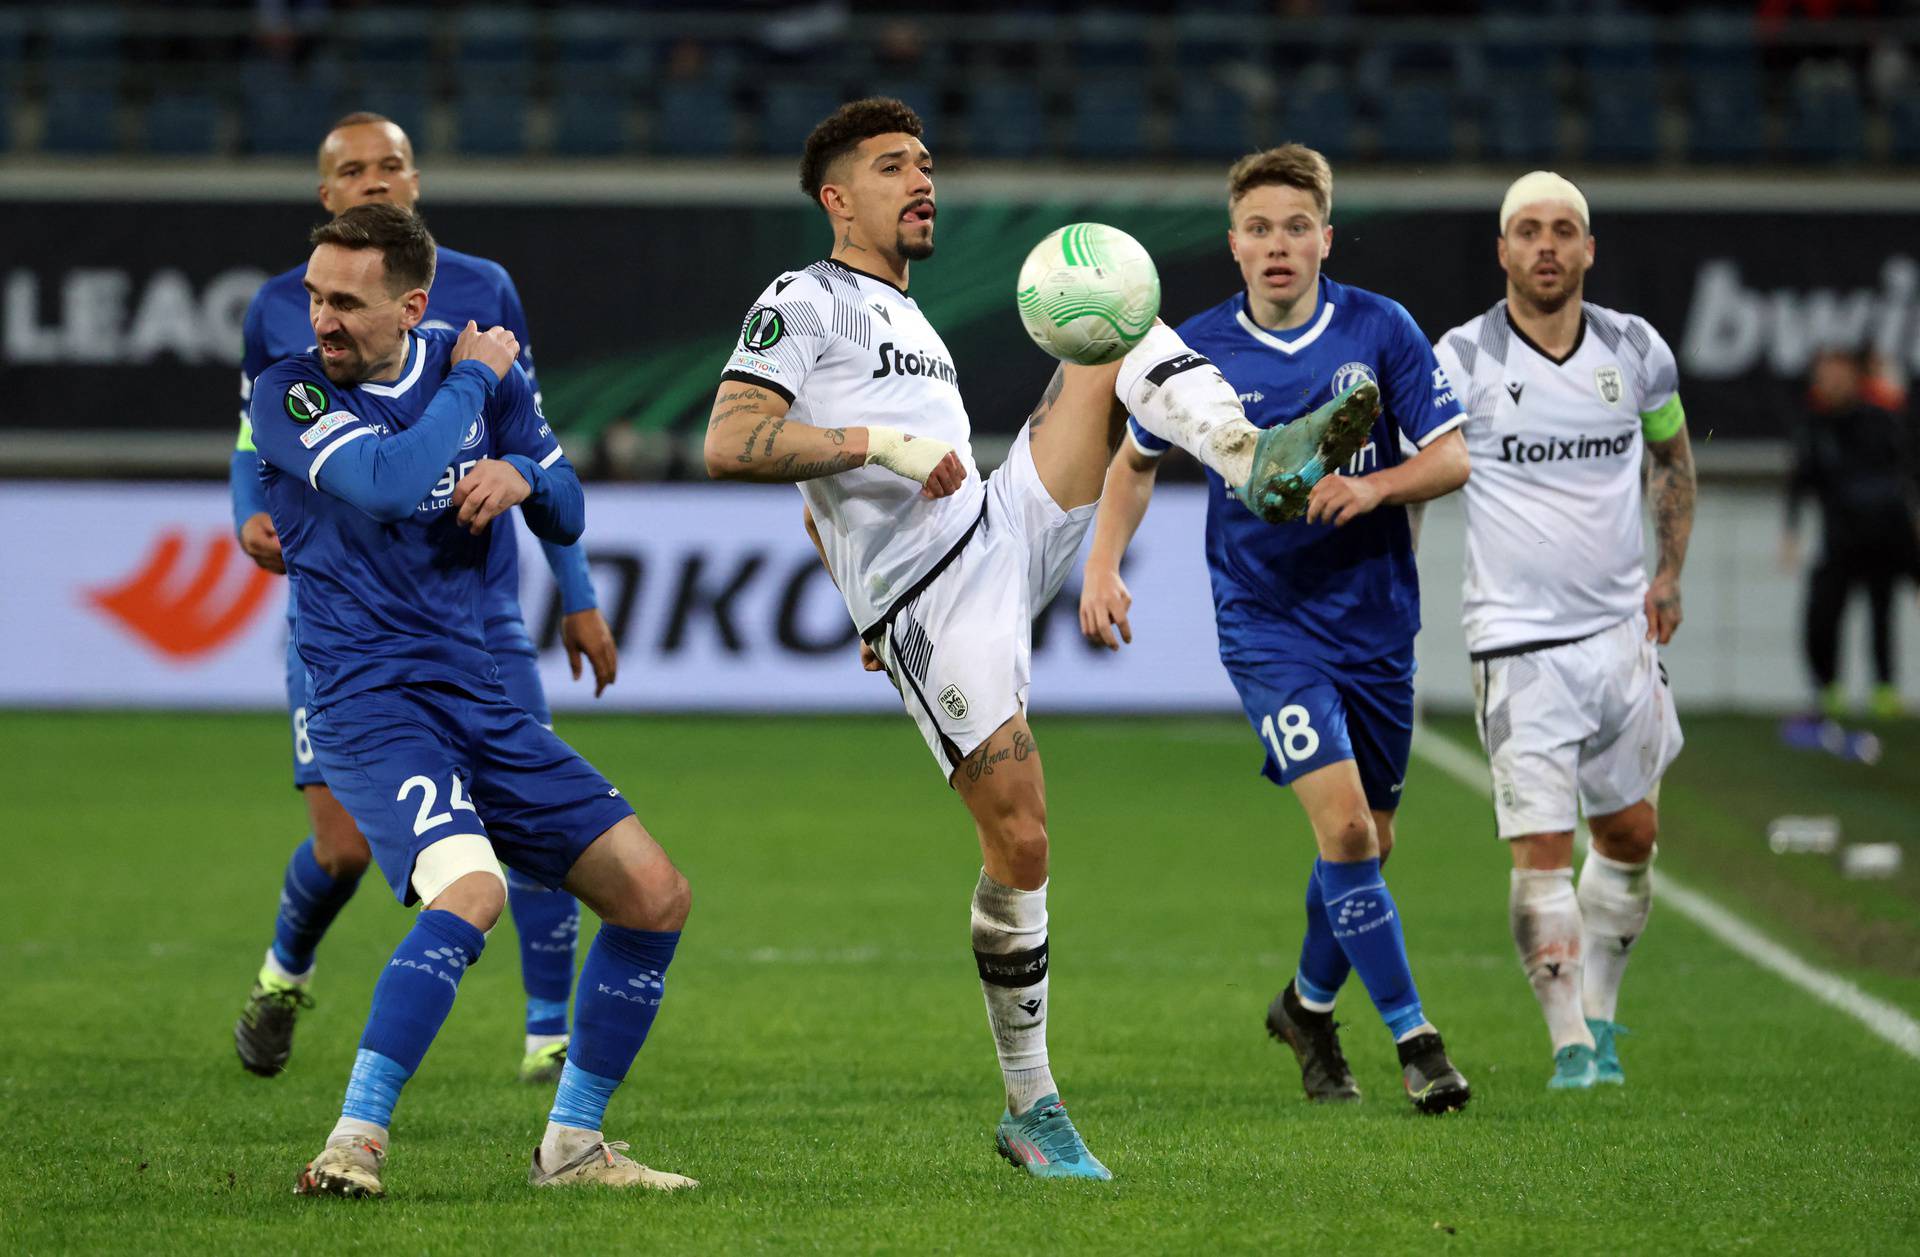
(1351, 375)
(306, 402)
(476, 433)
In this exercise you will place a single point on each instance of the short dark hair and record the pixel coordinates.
(401, 235)
(843, 129)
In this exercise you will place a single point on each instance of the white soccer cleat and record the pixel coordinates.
(350, 1169)
(602, 1163)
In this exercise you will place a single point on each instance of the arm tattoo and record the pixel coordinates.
(1048, 398)
(1671, 487)
(791, 468)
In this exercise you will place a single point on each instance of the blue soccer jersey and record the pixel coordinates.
(360, 481)
(1344, 595)
(464, 287)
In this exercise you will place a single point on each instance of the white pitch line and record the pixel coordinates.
(1891, 1023)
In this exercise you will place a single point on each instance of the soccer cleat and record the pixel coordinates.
(1432, 1083)
(1606, 1052)
(1291, 458)
(1315, 1040)
(264, 1034)
(544, 1064)
(350, 1168)
(1574, 1069)
(601, 1163)
(1044, 1143)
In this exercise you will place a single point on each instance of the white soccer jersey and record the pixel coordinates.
(1555, 549)
(849, 350)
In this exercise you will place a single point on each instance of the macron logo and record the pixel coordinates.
(185, 613)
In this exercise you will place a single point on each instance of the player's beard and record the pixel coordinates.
(913, 250)
(1552, 302)
(350, 370)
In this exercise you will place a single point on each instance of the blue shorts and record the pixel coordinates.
(519, 673)
(1308, 714)
(414, 764)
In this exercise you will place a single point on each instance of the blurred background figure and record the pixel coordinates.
(1854, 456)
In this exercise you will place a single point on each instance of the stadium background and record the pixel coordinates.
(1751, 170)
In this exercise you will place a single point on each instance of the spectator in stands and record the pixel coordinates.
(1855, 457)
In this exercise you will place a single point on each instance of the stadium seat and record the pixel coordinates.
(1320, 118)
(1005, 118)
(83, 42)
(1521, 121)
(495, 46)
(1211, 121)
(1619, 46)
(590, 121)
(407, 106)
(694, 120)
(1903, 120)
(1725, 118)
(789, 110)
(1416, 125)
(391, 41)
(182, 124)
(1826, 123)
(1109, 117)
(81, 121)
(1623, 120)
(283, 115)
(1106, 41)
(921, 96)
(492, 122)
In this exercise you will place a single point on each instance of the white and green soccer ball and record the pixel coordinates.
(1088, 293)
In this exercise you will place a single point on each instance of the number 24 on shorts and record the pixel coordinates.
(1291, 734)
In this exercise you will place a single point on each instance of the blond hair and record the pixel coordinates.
(1289, 166)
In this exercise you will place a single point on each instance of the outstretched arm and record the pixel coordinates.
(1104, 597)
(1671, 489)
(749, 437)
(1434, 472)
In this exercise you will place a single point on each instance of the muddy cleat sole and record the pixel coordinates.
(1292, 458)
(1574, 1069)
(544, 1064)
(1315, 1040)
(350, 1169)
(1606, 1052)
(602, 1165)
(1432, 1083)
(263, 1036)
(1044, 1143)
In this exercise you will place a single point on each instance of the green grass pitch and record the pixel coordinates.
(822, 1062)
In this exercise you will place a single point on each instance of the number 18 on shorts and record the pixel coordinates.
(1309, 716)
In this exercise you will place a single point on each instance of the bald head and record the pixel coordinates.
(366, 159)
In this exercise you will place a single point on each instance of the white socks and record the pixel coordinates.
(1010, 948)
(1615, 901)
(537, 1041)
(1545, 916)
(347, 1129)
(280, 971)
(562, 1144)
(1180, 397)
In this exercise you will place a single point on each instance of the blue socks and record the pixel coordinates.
(548, 921)
(410, 1002)
(309, 901)
(1363, 921)
(1323, 966)
(620, 991)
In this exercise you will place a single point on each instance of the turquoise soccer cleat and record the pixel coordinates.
(1575, 1068)
(1044, 1143)
(1606, 1051)
(1291, 458)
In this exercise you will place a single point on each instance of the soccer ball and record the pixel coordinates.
(1088, 293)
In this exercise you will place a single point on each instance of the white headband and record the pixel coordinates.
(1542, 185)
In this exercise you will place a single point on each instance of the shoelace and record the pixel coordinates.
(289, 998)
(1054, 1134)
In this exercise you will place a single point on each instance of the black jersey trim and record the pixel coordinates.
(1579, 339)
(880, 624)
(748, 377)
(878, 279)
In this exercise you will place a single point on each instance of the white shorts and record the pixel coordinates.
(1585, 727)
(960, 651)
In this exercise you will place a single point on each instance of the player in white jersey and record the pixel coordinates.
(1565, 400)
(942, 572)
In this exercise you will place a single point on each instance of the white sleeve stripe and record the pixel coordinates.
(1442, 430)
(1133, 439)
(552, 458)
(313, 469)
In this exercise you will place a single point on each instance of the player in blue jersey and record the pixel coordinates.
(367, 159)
(390, 455)
(1316, 617)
